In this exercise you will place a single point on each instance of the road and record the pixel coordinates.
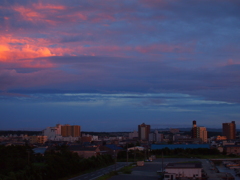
(100, 172)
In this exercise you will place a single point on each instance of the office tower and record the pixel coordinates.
(194, 129)
(143, 131)
(229, 130)
(199, 132)
(67, 130)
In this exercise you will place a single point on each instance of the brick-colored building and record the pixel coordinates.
(229, 130)
(38, 139)
(85, 152)
(68, 130)
(143, 131)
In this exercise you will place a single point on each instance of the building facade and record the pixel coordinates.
(133, 135)
(143, 132)
(155, 136)
(37, 139)
(202, 134)
(199, 132)
(53, 133)
(68, 130)
(63, 132)
(229, 130)
(183, 170)
(232, 149)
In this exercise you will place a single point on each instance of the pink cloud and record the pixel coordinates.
(229, 62)
(22, 50)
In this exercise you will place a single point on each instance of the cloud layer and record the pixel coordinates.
(189, 48)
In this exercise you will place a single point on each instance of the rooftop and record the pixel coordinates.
(184, 165)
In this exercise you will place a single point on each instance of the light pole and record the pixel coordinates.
(127, 154)
(115, 160)
(134, 153)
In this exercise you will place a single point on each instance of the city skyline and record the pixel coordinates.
(111, 65)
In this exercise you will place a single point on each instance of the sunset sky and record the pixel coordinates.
(110, 65)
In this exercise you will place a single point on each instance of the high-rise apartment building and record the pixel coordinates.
(68, 130)
(143, 131)
(229, 130)
(202, 133)
(199, 132)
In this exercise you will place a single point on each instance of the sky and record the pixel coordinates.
(111, 65)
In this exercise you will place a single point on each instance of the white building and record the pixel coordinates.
(53, 133)
(133, 134)
(95, 138)
(188, 170)
(156, 136)
(140, 148)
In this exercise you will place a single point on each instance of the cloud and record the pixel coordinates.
(109, 74)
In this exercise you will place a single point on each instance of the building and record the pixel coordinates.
(139, 148)
(229, 130)
(194, 129)
(202, 134)
(143, 132)
(53, 133)
(37, 139)
(63, 132)
(183, 170)
(199, 132)
(68, 130)
(86, 139)
(155, 136)
(232, 149)
(173, 130)
(179, 146)
(133, 135)
(221, 138)
(84, 152)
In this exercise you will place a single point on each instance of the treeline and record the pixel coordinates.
(18, 133)
(179, 152)
(187, 152)
(20, 163)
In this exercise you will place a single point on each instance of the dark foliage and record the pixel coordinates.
(186, 152)
(19, 163)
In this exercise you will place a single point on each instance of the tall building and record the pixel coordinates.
(68, 130)
(202, 133)
(143, 131)
(199, 132)
(229, 130)
(194, 129)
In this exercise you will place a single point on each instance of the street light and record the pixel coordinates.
(127, 153)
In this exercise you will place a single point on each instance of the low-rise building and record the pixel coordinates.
(85, 152)
(232, 149)
(180, 170)
(221, 138)
(38, 139)
(139, 148)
